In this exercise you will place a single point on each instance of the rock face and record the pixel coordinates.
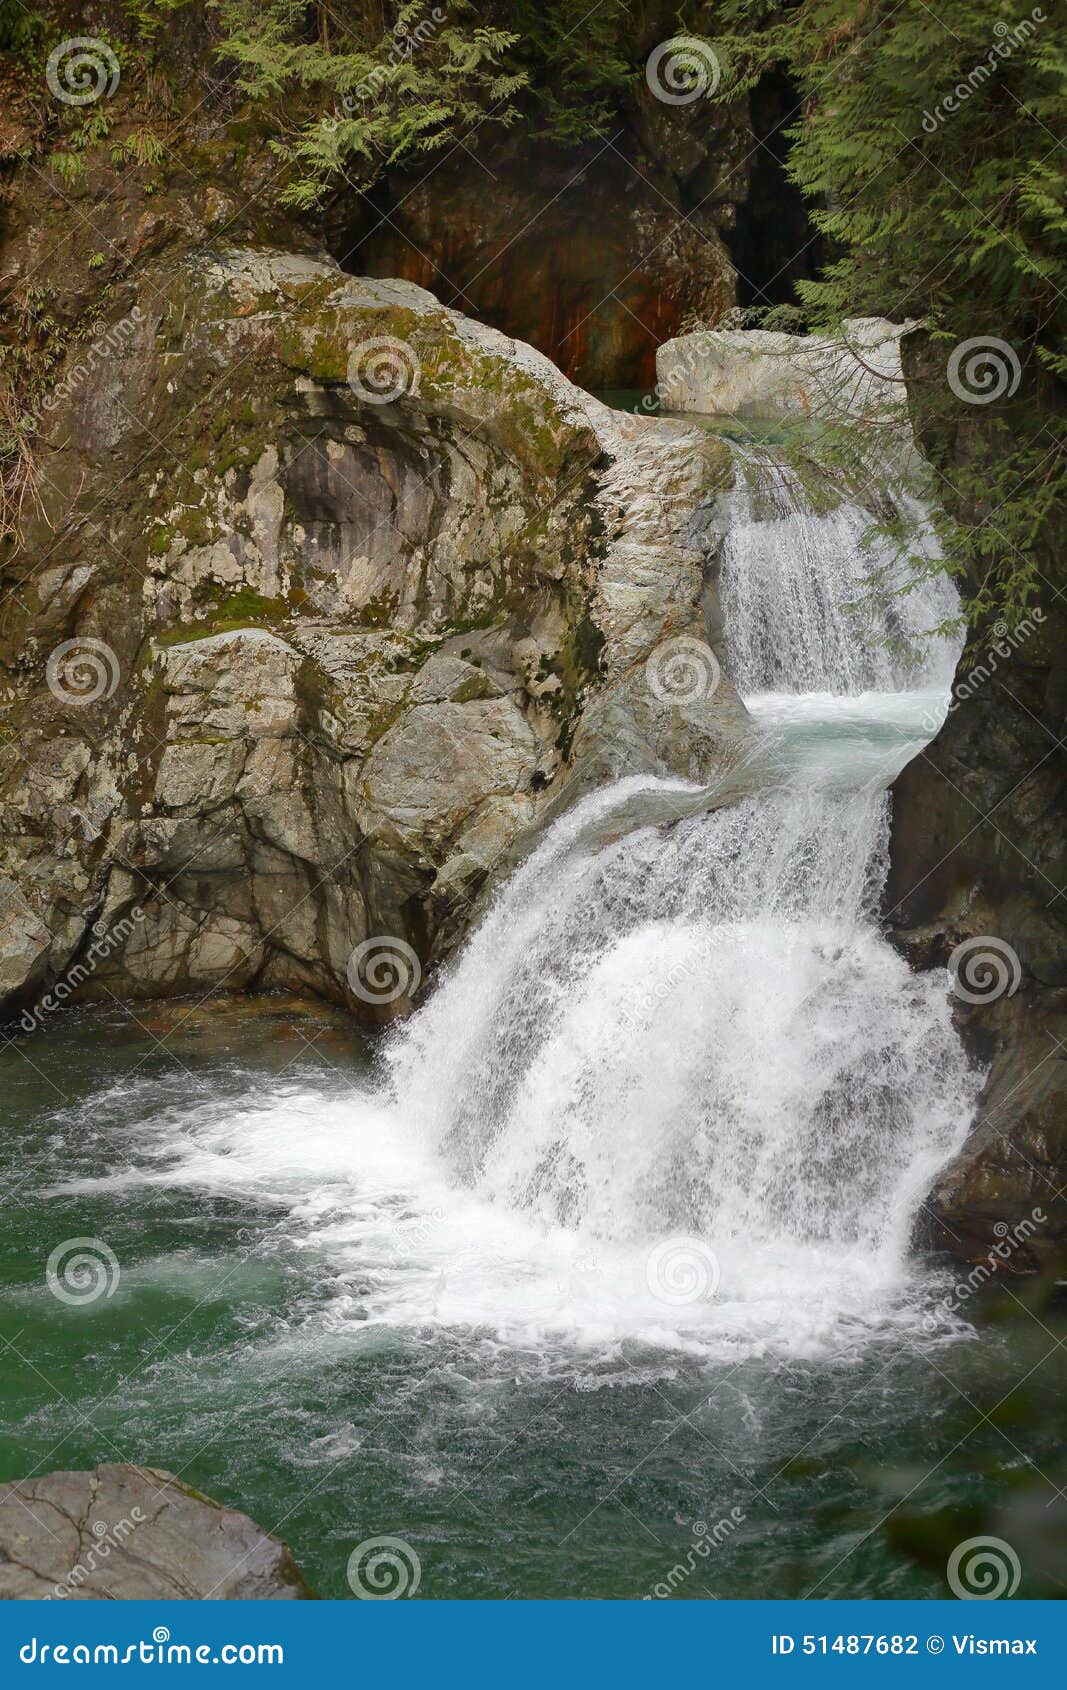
(760, 374)
(979, 860)
(126, 1534)
(593, 253)
(977, 870)
(336, 594)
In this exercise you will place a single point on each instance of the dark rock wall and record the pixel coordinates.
(595, 254)
(978, 854)
(772, 241)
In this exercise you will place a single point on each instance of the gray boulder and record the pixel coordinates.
(761, 374)
(123, 1533)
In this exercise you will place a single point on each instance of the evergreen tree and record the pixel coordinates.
(929, 146)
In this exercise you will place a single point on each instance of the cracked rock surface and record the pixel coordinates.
(125, 1533)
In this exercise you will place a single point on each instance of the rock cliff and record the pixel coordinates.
(977, 880)
(333, 592)
(595, 254)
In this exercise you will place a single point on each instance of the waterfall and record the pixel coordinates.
(676, 1095)
(696, 1029)
(792, 575)
(678, 1026)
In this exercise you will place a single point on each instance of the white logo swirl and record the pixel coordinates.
(683, 670)
(382, 1568)
(682, 70)
(983, 369)
(82, 1270)
(682, 1270)
(384, 968)
(383, 370)
(161, 1634)
(983, 1569)
(82, 671)
(984, 969)
(81, 69)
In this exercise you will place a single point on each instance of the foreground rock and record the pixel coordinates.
(761, 374)
(125, 1533)
(338, 592)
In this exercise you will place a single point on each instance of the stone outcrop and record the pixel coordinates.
(125, 1534)
(337, 592)
(761, 374)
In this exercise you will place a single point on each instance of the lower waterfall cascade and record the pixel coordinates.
(692, 1039)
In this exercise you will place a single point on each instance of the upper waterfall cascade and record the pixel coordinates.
(793, 581)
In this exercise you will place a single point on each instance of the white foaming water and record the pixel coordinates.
(696, 1033)
(791, 578)
(692, 1036)
(677, 1089)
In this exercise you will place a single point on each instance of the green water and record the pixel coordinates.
(645, 402)
(539, 1470)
